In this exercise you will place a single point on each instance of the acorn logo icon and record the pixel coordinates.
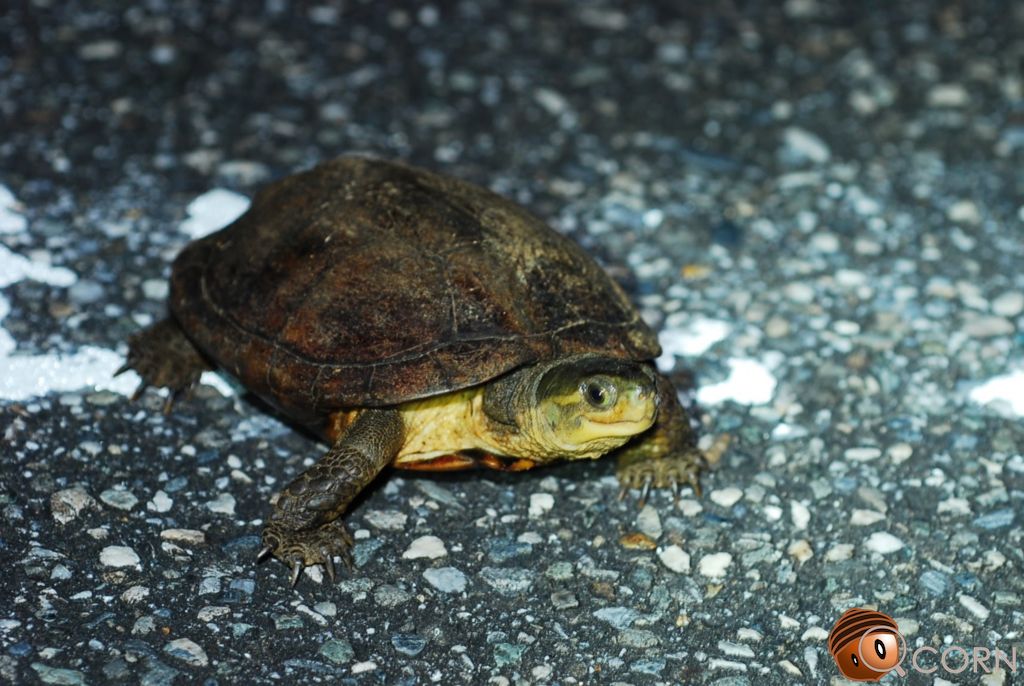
(866, 645)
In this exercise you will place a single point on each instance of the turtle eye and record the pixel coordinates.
(599, 393)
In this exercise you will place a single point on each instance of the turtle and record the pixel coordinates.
(412, 319)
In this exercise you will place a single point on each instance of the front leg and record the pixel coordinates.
(305, 528)
(666, 456)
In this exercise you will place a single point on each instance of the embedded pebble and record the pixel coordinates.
(119, 499)
(649, 522)
(540, 504)
(446, 579)
(995, 520)
(974, 607)
(58, 675)
(425, 546)
(675, 558)
(222, 504)
(338, 651)
(863, 454)
(508, 580)
(726, 497)
(714, 565)
(866, 517)
(160, 503)
(387, 595)
(186, 536)
(119, 556)
(389, 520)
(67, 504)
(883, 543)
(187, 651)
(839, 552)
(800, 515)
(987, 326)
(637, 638)
(801, 550)
(805, 146)
(618, 617)
(1008, 304)
(408, 644)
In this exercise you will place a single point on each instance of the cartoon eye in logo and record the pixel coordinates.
(866, 644)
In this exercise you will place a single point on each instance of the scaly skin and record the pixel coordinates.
(165, 358)
(667, 455)
(306, 527)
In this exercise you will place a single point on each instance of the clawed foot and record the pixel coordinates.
(164, 358)
(664, 472)
(301, 549)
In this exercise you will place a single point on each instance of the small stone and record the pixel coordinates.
(408, 644)
(99, 50)
(540, 504)
(186, 536)
(508, 580)
(286, 622)
(57, 675)
(714, 565)
(210, 612)
(366, 666)
(1009, 304)
(563, 600)
(637, 638)
(144, 625)
(883, 543)
(67, 504)
(119, 499)
(865, 517)
(948, 95)
(799, 292)
(387, 595)
(222, 504)
(814, 633)
(637, 541)
(119, 556)
(974, 607)
(155, 289)
(726, 497)
(338, 651)
(995, 520)
(805, 146)
(389, 520)
(839, 552)
(85, 292)
(987, 326)
(801, 550)
(187, 651)
(648, 521)
(135, 594)
(800, 515)
(934, 582)
(160, 503)
(863, 454)
(675, 558)
(425, 546)
(618, 617)
(446, 579)
(736, 649)
(507, 654)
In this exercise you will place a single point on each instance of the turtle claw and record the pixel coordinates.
(329, 566)
(123, 368)
(645, 491)
(307, 547)
(264, 553)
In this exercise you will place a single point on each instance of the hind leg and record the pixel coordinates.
(164, 357)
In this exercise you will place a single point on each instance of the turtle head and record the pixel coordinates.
(577, 407)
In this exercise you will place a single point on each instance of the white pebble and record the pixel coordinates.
(814, 633)
(839, 552)
(1009, 304)
(954, 506)
(863, 454)
(726, 497)
(689, 507)
(714, 565)
(67, 504)
(425, 546)
(799, 292)
(947, 95)
(160, 502)
(772, 513)
(801, 550)
(648, 522)
(213, 210)
(883, 543)
(865, 517)
(367, 666)
(135, 594)
(222, 504)
(187, 651)
(186, 536)
(806, 145)
(800, 515)
(119, 556)
(736, 649)
(390, 520)
(987, 326)
(900, 452)
(974, 607)
(675, 558)
(540, 504)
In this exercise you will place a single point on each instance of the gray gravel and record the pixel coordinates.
(818, 204)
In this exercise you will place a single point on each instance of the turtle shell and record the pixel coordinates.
(366, 283)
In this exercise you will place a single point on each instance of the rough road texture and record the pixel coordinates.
(818, 206)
